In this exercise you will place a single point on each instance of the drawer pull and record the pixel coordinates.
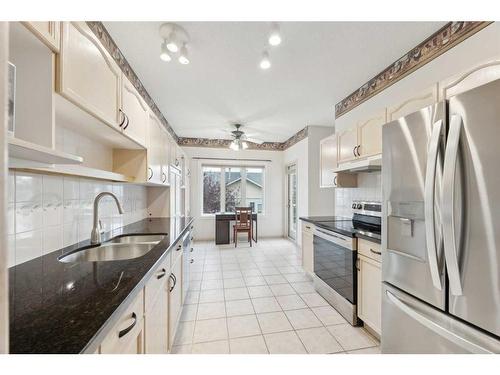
(161, 274)
(178, 248)
(128, 329)
(375, 252)
(308, 227)
(192, 250)
(192, 261)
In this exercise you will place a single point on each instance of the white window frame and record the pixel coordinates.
(223, 167)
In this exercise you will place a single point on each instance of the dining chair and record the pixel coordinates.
(243, 223)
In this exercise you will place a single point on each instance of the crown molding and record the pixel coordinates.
(441, 41)
(224, 143)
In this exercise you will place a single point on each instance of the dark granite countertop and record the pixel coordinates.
(60, 307)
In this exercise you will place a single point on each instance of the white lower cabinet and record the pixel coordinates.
(127, 335)
(370, 292)
(149, 324)
(307, 246)
(175, 298)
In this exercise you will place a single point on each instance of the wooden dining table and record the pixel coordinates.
(222, 227)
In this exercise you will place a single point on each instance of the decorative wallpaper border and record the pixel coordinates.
(224, 143)
(102, 34)
(445, 38)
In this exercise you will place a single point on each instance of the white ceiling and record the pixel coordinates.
(316, 65)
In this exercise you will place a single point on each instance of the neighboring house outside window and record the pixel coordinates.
(225, 188)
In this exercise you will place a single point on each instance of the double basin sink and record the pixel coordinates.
(119, 248)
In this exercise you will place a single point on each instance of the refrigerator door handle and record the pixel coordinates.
(448, 199)
(429, 201)
(430, 324)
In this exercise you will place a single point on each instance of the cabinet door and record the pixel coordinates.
(156, 326)
(127, 335)
(165, 147)
(136, 112)
(370, 293)
(307, 247)
(154, 150)
(328, 161)
(175, 298)
(49, 32)
(347, 142)
(370, 136)
(88, 75)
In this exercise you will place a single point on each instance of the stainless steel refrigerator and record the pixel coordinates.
(441, 227)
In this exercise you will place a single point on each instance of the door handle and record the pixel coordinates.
(128, 121)
(335, 181)
(429, 201)
(150, 170)
(174, 280)
(448, 209)
(375, 252)
(354, 151)
(357, 150)
(123, 118)
(129, 328)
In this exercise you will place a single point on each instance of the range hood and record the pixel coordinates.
(371, 164)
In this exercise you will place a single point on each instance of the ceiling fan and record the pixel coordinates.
(240, 139)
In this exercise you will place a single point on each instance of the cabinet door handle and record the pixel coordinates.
(192, 250)
(375, 252)
(123, 118)
(164, 177)
(178, 248)
(192, 261)
(357, 150)
(150, 170)
(335, 181)
(128, 121)
(129, 328)
(162, 273)
(172, 277)
(354, 151)
(357, 265)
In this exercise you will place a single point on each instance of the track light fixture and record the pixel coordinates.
(265, 63)
(274, 36)
(175, 39)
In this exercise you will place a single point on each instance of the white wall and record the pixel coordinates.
(479, 48)
(270, 224)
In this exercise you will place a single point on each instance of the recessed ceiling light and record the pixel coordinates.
(274, 36)
(164, 54)
(183, 57)
(265, 63)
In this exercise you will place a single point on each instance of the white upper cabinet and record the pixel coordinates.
(362, 140)
(413, 103)
(370, 135)
(328, 161)
(155, 146)
(135, 112)
(88, 76)
(347, 143)
(49, 32)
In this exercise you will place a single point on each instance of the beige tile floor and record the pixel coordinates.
(258, 300)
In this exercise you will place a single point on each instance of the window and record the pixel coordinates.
(225, 188)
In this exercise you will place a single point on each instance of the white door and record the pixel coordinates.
(292, 215)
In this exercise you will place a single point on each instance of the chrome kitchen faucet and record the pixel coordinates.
(95, 236)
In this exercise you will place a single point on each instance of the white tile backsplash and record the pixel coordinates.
(48, 212)
(369, 189)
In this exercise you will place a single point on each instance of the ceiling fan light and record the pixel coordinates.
(183, 58)
(172, 43)
(274, 36)
(265, 63)
(164, 54)
(244, 145)
(234, 146)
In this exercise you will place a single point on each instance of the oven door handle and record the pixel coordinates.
(333, 238)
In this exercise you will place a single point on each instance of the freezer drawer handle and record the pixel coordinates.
(429, 203)
(448, 209)
(433, 326)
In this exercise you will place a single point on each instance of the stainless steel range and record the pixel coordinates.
(335, 254)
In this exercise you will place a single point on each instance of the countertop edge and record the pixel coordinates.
(96, 340)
